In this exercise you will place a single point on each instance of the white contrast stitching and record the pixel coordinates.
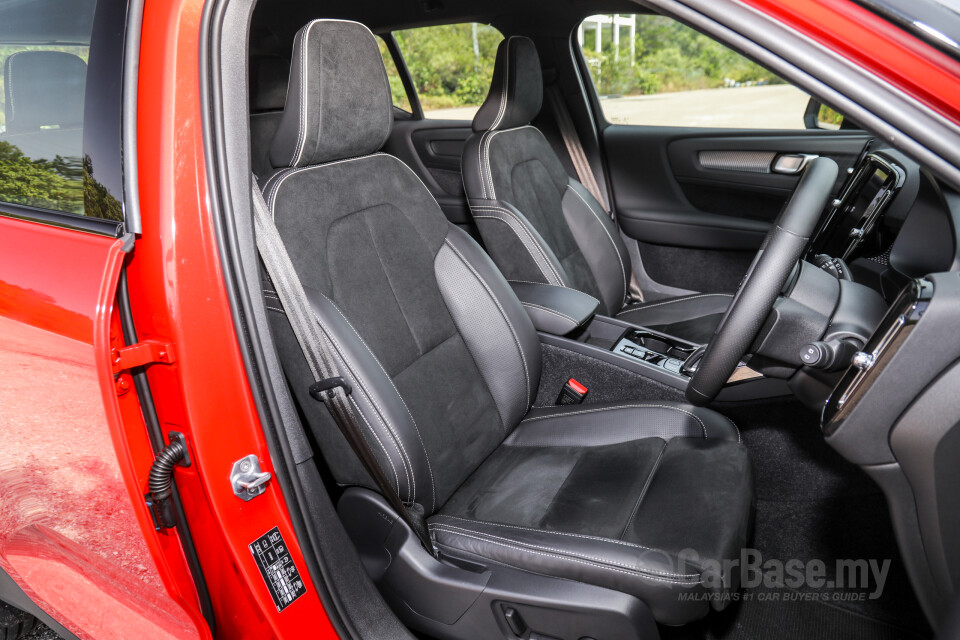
(673, 300)
(547, 275)
(548, 310)
(624, 406)
(381, 414)
(382, 448)
(542, 284)
(426, 457)
(506, 86)
(277, 180)
(461, 531)
(577, 561)
(304, 78)
(544, 531)
(623, 268)
(529, 235)
(643, 491)
(516, 339)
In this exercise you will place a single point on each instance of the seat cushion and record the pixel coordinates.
(693, 318)
(644, 498)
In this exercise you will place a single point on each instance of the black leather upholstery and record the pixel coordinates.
(445, 364)
(631, 497)
(539, 224)
(694, 318)
(553, 309)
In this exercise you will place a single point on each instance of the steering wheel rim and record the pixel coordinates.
(768, 273)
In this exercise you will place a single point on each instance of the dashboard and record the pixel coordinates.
(892, 222)
(894, 411)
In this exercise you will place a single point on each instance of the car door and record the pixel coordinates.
(74, 548)
(702, 147)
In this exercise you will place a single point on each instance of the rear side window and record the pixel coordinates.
(451, 66)
(44, 56)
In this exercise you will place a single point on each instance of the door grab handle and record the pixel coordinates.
(793, 163)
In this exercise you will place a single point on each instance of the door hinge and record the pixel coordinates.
(142, 353)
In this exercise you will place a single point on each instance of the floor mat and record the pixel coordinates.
(811, 504)
(799, 620)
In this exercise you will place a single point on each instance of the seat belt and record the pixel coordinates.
(329, 388)
(583, 170)
(574, 149)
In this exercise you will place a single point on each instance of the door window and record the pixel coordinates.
(652, 70)
(45, 164)
(451, 66)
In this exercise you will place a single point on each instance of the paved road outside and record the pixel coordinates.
(768, 107)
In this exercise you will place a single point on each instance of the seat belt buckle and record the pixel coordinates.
(323, 389)
(572, 393)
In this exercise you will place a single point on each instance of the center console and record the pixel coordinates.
(656, 356)
(655, 349)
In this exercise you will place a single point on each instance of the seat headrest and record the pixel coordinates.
(43, 89)
(338, 102)
(516, 91)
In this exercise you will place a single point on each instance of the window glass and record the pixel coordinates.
(397, 90)
(653, 70)
(41, 125)
(451, 66)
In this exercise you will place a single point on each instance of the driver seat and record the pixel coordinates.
(539, 224)
(644, 498)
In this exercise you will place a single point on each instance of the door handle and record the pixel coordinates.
(793, 163)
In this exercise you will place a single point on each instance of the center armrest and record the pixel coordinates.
(555, 310)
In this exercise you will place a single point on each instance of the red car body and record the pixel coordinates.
(75, 532)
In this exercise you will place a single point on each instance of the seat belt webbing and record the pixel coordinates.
(329, 388)
(574, 149)
(584, 172)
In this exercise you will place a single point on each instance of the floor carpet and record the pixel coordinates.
(812, 504)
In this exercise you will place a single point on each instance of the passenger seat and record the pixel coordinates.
(541, 225)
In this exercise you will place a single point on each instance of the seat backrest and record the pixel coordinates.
(43, 104)
(442, 358)
(537, 223)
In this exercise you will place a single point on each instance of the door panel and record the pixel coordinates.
(700, 201)
(432, 149)
(72, 518)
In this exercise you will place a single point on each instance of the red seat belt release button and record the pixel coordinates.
(572, 393)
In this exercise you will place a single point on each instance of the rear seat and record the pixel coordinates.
(268, 89)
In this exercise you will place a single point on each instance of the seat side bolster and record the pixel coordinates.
(494, 326)
(600, 243)
(654, 575)
(611, 423)
(393, 431)
(654, 564)
(515, 245)
(518, 248)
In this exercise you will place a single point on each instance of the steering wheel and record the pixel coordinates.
(776, 259)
